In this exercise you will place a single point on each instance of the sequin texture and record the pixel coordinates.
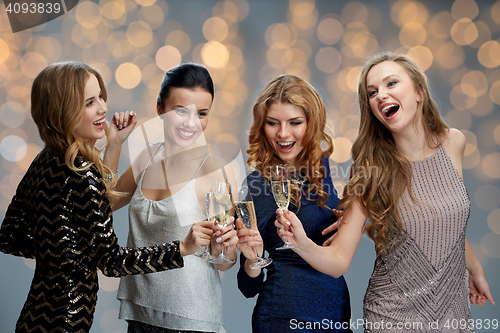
(63, 220)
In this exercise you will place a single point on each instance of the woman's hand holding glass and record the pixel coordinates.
(219, 205)
(280, 187)
(290, 228)
(199, 235)
(247, 229)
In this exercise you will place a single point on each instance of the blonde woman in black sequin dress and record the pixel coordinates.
(61, 212)
(406, 178)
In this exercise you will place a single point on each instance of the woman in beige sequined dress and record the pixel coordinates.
(406, 178)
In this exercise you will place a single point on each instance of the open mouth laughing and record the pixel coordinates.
(285, 146)
(389, 111)
(99, 123)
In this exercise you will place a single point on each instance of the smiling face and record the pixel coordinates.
(185, 115)
(92, 125)
(285, 128)
(392, 96)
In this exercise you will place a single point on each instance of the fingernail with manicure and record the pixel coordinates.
(218, 240)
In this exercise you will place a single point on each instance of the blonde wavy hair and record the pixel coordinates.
(294, 90)
(58, 107)
(375, 149)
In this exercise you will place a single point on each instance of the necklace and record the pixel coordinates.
(297, 178)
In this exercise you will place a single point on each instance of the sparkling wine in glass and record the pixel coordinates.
(280, 186)
(246, 211)
(219, 204)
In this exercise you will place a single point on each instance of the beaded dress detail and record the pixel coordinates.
(422, 282)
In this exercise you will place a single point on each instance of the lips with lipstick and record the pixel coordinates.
(285, 146)
(185, 134)
(99, 123)
(390, 110)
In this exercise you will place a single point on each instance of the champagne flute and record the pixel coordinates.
(219, 204)
(280, 186)
(246, 212)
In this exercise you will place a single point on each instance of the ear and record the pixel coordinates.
(420, 93)
(159, 109)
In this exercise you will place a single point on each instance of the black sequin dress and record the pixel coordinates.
(63, 220)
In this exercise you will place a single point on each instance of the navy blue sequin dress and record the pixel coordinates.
(294, 296)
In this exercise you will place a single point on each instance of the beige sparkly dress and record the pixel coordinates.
(421, 286)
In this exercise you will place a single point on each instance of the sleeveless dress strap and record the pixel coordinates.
(201, 165)
(139, 184)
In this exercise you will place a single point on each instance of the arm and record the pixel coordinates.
(479, 291)
(334, 259)
(91, 215)
(120, 128)
(127, 185)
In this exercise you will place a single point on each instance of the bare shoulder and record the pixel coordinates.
(454, 142)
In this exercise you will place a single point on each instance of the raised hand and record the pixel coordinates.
(121, 125)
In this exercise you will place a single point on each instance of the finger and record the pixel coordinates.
(329, 240)
(337, 212)
(126, 117)
(330, 228)
(489, 297)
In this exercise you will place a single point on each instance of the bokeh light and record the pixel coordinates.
(128, 75)
(486, 197)
(13, 148)
(494, 221)
(490, 245)
(168, 57)
(491, 166)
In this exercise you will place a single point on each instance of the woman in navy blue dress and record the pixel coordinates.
(289, 128)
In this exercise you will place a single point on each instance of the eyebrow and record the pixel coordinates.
(384, 79)
(91, 98)
(295, 118)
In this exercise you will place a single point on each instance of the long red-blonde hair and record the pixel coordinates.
(294, 90)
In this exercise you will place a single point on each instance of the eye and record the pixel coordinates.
(181, 111)
(89, 104)
(202, 114)
(296, 123)
(272, 123)
(372, 93)
(101, 96)
(391, 83)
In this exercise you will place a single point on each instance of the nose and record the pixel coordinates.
(382, 95)
(103, 108)
(190, 120)
(283, 131)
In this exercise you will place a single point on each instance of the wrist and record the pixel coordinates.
(183, 249)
